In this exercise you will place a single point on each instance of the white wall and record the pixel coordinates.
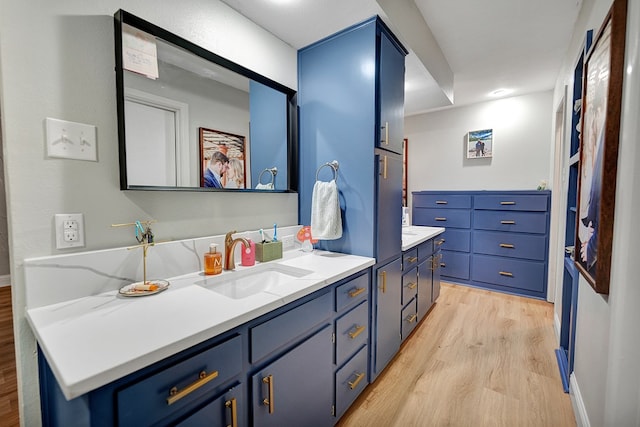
(57, 60)
(522, 144)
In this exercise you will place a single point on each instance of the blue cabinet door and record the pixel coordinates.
(388, 311)
(227, 410)
(435, 277)
(297, 388)
(391, 90)
(389, 205)
(425, 286)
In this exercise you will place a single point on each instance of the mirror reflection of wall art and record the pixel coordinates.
(480, 144)
(222, 159)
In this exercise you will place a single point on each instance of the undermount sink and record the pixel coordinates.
(241, 284)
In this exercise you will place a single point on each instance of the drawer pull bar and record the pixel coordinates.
(412, 259)
(384, 167)
(354, 384)
(231, 403)
(358, 331)
(386, 133)
(440, 242)
(507, 203)
(441, 202)
(440, 218)
(507, 222)
(269, 400)
(506, 273)
(203, 378)
(412, 318)
(412, 285)
(384, 281)
(442, 264)
(507, 245)
(355, 292)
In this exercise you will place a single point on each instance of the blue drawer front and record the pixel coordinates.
(454, 264)
(514, 245)
(455, 240)
(511, 202)
(351, 379)
(409, 259)
(280, 330)
(455, 218)
(409, 318)
(352, 292)
(521, 222)
(409, 284)
(516, 274)
(442, 201)
(425, 249)
(351, 332)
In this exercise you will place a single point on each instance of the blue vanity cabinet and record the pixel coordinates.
(387, 321)
(426, 268)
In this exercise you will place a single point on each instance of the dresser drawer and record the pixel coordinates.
(521, 222)
(455, 240)
(409, 318)
(409, 259)
(442, 201)
(456, 218)
(515, 245)
(352, 292)
(425, 249)
(516, 274)
(352, 332)
(454, 264)
(280, 330)
(511, 202)
(409, 285)
(351, 379)
(158, 396)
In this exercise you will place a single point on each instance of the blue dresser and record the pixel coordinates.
(494, 239)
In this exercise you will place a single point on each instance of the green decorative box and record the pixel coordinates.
(268, 251)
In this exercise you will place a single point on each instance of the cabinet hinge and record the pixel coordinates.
(333, 410)
(333, 338)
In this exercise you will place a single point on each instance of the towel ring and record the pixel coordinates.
(334, 165)
(273, 171)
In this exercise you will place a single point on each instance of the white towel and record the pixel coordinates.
(267, 186)
(326, 219)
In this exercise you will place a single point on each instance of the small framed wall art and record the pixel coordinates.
(480, 144)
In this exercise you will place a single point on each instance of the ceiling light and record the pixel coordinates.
(500, 92)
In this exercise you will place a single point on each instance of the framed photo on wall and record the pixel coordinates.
(600, 121)
(480, 144)
(222, 159)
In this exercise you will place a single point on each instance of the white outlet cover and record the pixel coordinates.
(71, 140)
(59, 222)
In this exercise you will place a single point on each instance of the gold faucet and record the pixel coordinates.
(229, 246)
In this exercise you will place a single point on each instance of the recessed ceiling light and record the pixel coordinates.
(500, 92)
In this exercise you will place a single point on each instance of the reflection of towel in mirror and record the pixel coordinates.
(267, 186)
(326, 220)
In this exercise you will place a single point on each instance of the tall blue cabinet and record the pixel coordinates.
(351, 109)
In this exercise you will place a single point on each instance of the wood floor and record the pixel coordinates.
(8, 386)
(479, 359)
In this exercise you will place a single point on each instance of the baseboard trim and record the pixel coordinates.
(556, 325)
(5, 280)
(579, 410)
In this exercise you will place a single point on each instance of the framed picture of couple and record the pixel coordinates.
(480, 144)
(228, 151)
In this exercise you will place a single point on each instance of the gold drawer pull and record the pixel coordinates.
(358, 331)
(203, 378)
(440, 218)
(506, 273)
(386, 133)
(355, 292)
(507, 222)
(384, 281)
(269, 400)
(384, 167)
(412, 318)
(442, 264)
(231, 403)
(507, 245)
(354, 384)
(440, 242)
(412, 259)
(412, 285)
(507, 203)
(441, 202)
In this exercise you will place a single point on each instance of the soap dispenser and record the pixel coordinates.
(212, 261)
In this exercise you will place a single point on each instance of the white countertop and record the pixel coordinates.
(94, 340)
(413, 235)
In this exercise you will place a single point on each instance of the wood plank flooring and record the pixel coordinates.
(480, 358)
(9, 416)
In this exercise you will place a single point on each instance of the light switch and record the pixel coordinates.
(71, 140)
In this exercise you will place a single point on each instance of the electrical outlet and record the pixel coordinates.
(287, 242)
(69, 230)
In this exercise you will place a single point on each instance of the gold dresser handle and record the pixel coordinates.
(412, 285)
(231, 403)
(269, 400)
(506, 273)
(384, 167)
(355, 292)
(507, 203)
(358, 331)
(507, 245)
(440, 242)
(440, 218)
(441, 202)
(412, 318)
(507, 222)
(203, 378)
(386, 133)
(354, 384)
(412, 259)
(384, 281)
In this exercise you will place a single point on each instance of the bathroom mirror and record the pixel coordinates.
(189, 119)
